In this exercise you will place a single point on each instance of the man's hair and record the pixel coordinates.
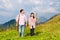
(21, 10)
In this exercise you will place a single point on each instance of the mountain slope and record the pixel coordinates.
(8, 24)
(50, 30)
(53, 25)
(54, 18)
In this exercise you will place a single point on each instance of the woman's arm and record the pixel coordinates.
(35, 19)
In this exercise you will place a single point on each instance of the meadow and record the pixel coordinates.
(47, 31)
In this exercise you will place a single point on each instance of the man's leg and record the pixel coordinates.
(22, 30)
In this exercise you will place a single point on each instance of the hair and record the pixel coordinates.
(33, 15)
(21, 10)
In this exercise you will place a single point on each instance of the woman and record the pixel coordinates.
(32, 21)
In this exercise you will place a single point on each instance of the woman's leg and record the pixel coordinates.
(32, 30)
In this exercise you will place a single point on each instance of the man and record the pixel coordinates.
(20, 21)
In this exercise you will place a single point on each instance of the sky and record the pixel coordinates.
(9, 9)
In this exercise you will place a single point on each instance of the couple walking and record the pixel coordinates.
(21, 21)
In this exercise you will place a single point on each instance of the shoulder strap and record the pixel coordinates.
(18, 17)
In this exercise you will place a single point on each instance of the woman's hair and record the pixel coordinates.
(31, 15)
(21, 10)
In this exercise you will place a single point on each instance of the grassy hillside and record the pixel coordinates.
(47, 31)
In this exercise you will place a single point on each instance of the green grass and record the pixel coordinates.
(40, 34)
(47, 31)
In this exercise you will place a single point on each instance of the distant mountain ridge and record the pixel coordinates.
(40, 20)
(53, 17)
(9, 23)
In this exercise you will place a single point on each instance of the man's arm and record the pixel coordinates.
(17, 20)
